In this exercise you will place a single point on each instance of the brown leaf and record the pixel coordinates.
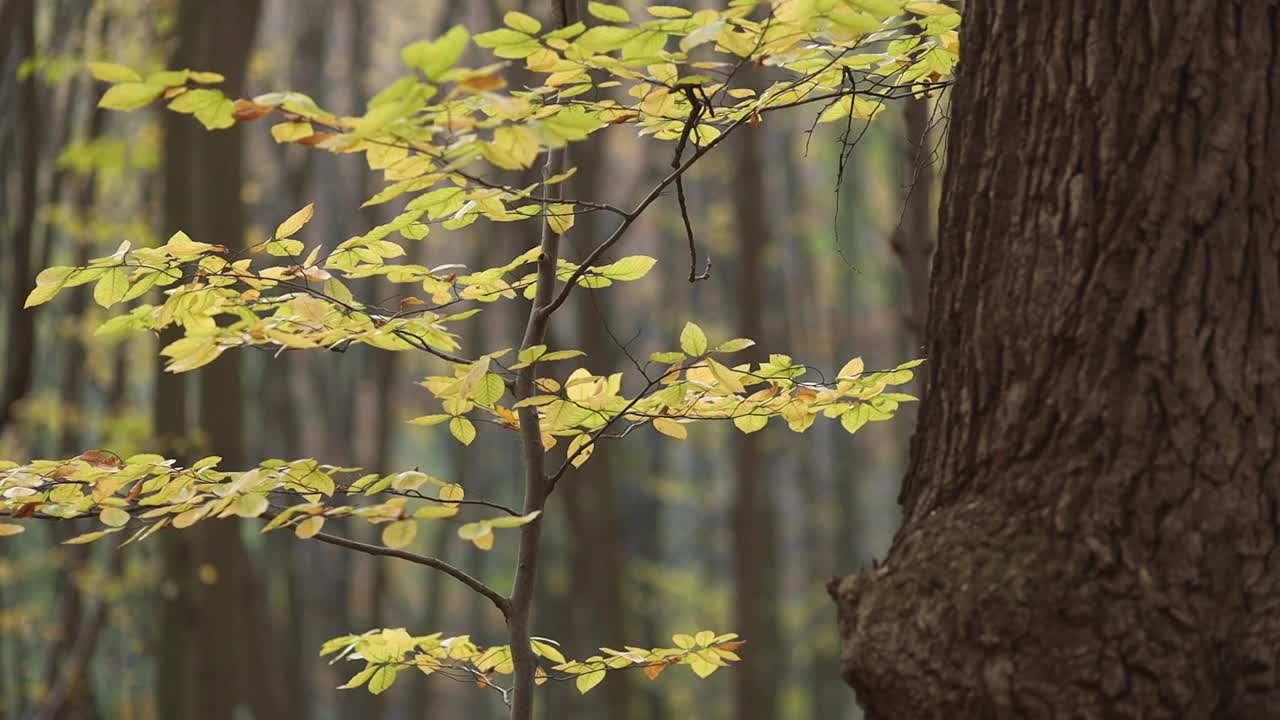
(314, 138)
(483, 83)
(248, 110)
(101, 458)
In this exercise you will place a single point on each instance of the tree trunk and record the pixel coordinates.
(1090, 527)
(754, 535)
(19, 322)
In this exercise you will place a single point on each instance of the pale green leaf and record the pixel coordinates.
(586, 681)
(608, 13)
(462, 429)
(112, 287)
(692, 340)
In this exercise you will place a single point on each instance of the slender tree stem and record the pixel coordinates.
(534, 455)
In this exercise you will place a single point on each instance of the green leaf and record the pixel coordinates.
(632, 267)
(211, 108)
(112, 287)
(692, 340)
(434, 58)
(880, 8)
(113, 73)
(429, 420)
(667, 357)
(604, 38)
(608, 13)
(130, 96)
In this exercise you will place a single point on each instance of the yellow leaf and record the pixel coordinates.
(547, 650)
(399, 533)
(190, 517)
(560, 217)
(727, 378)
(7, 529)
(112, 287)
(523, 23)
(484, 541)
(295, 222)
(435, 512)
(586, 681)
(701, 666)
(670, 427)
(113, 516)
(309, 527)
(452, 492)
(90, 537)
(130, 96)
(929, 8)
(851, 369)
(113, 73)
(290, 131)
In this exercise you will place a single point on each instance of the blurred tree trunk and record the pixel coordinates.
(590, 497)
(175, 659)
(20, 29)
(912, 240)
(753, 522)
(221, 663)
(1090, 507)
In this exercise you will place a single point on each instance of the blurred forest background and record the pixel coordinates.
(820, 248)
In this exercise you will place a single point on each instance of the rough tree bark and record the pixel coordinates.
(1090, 513)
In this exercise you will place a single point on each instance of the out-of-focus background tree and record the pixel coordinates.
(817, 242)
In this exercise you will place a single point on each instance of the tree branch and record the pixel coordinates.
(461, 576)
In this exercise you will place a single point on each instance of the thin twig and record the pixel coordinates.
(461, 576)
